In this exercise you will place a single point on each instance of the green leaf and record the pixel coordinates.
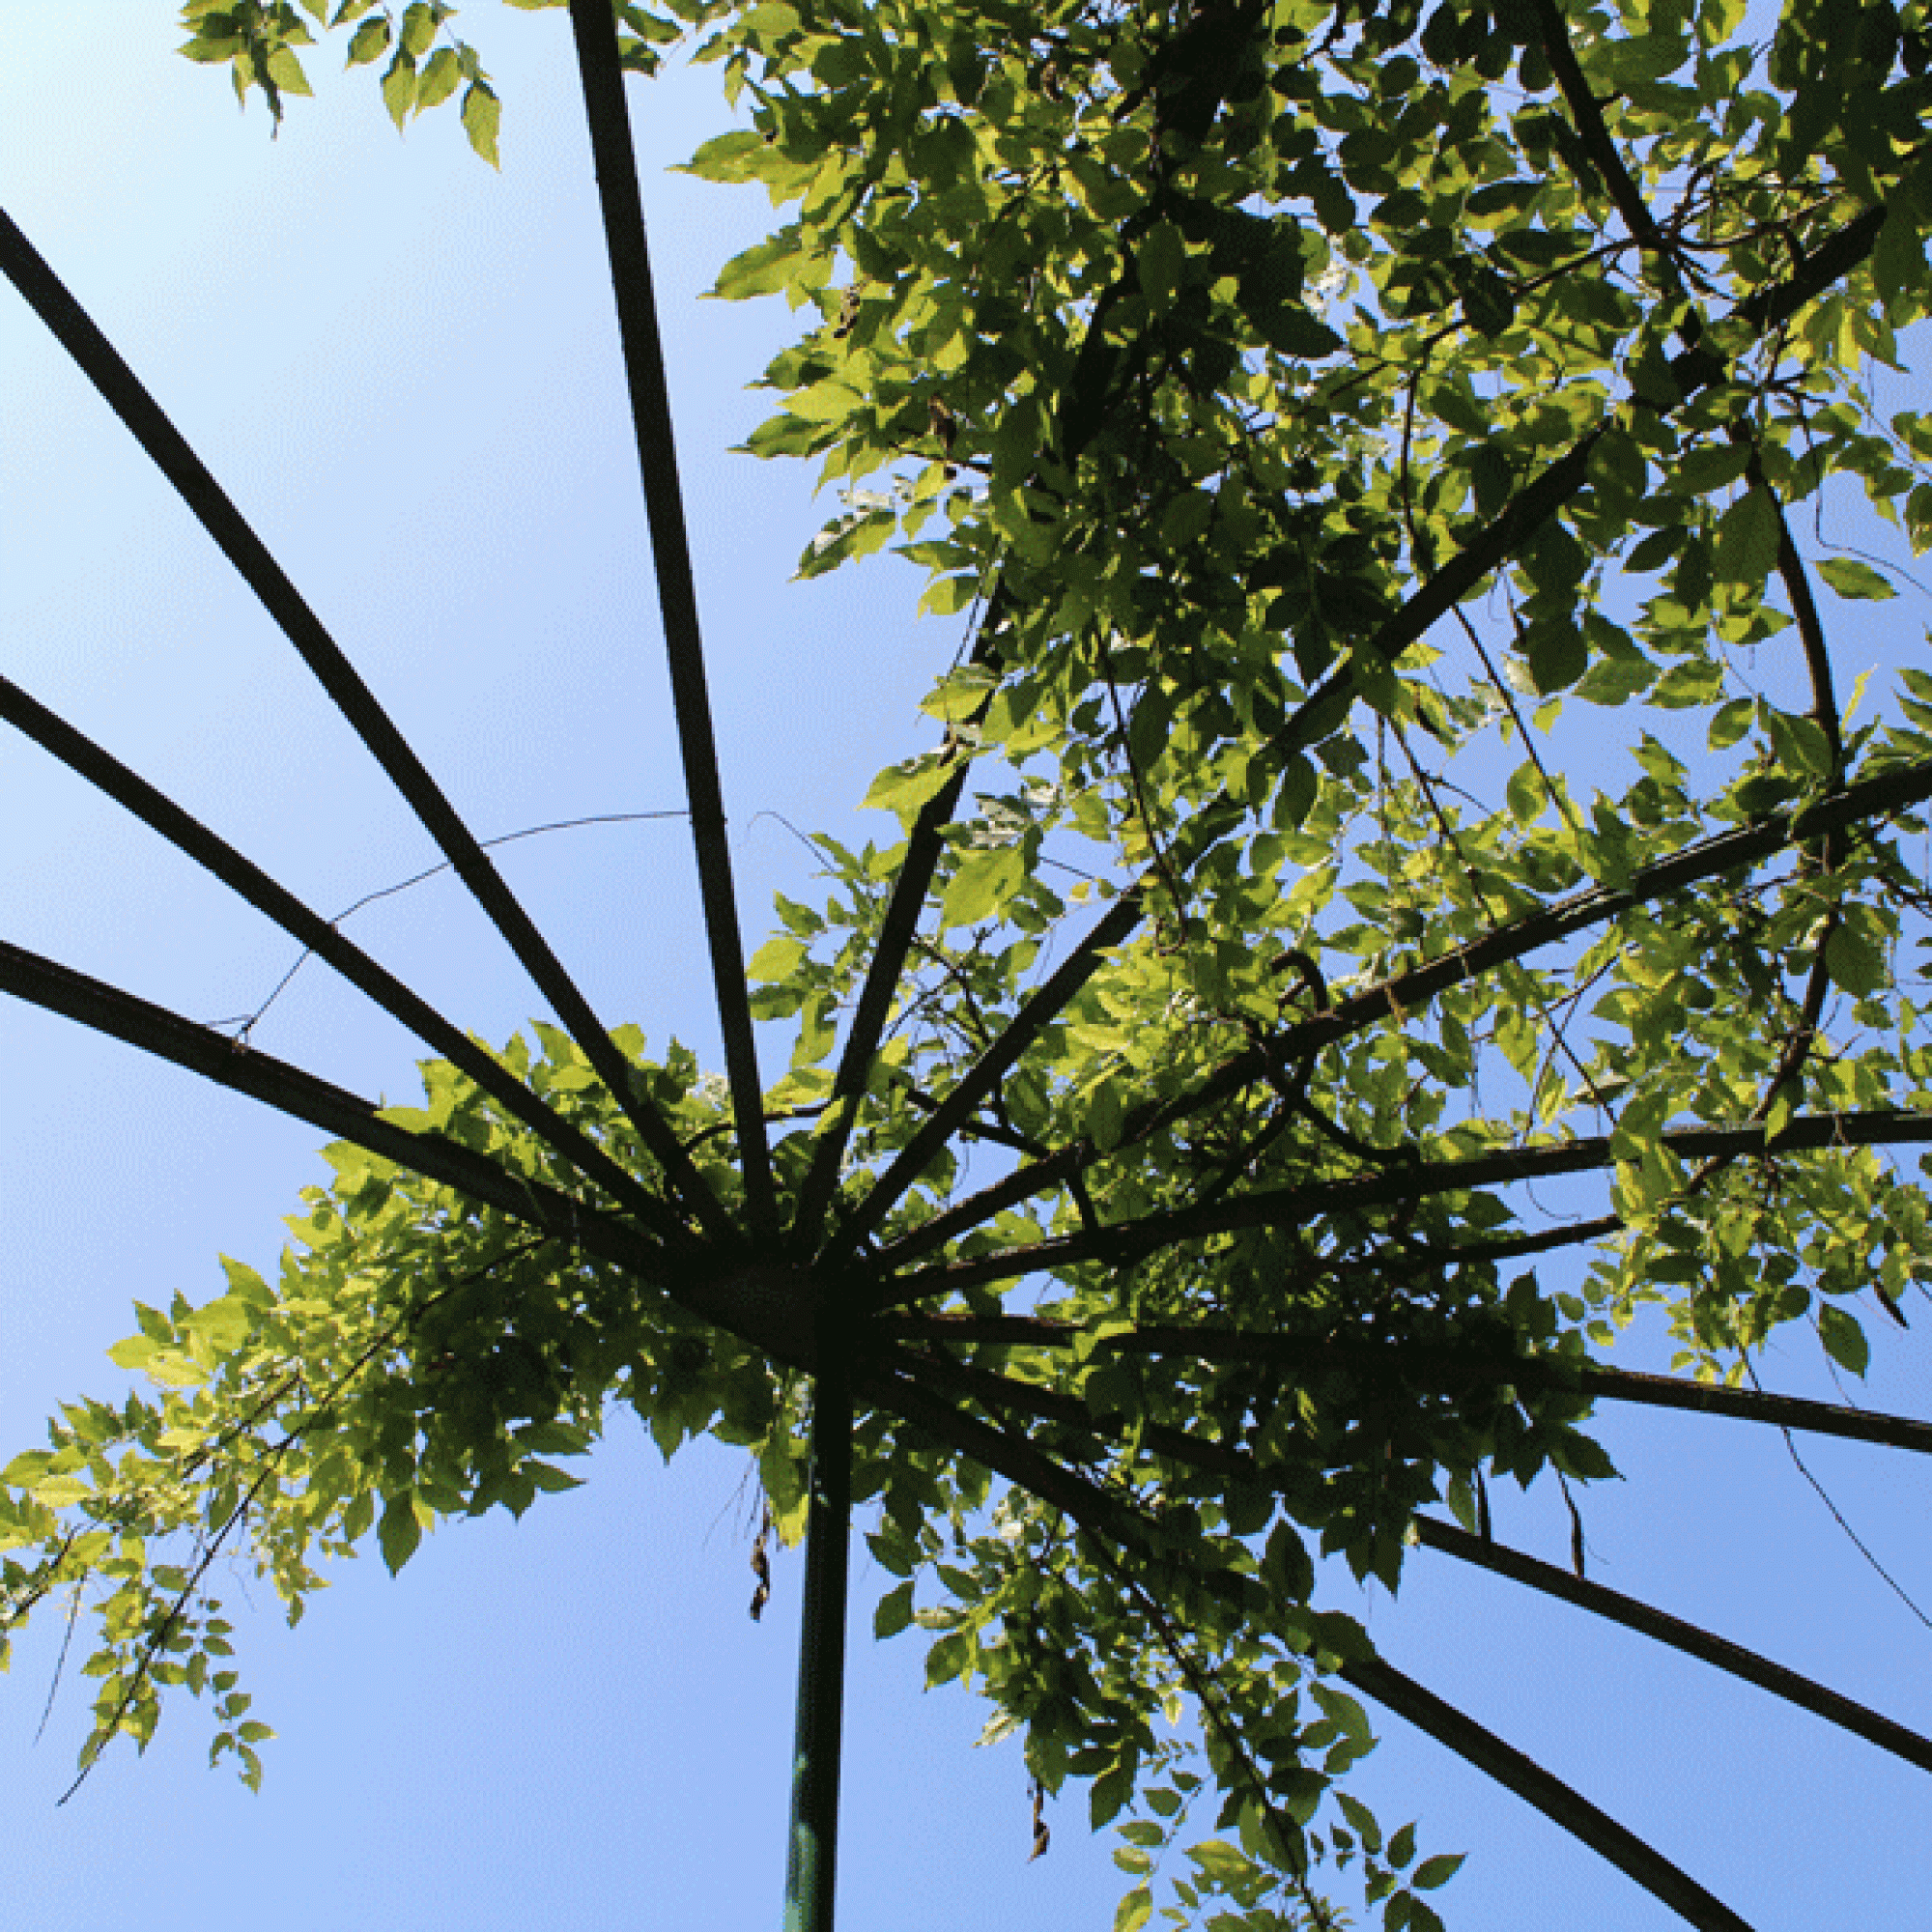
(1134, 1911)
(949, 1657)
(370, 41)
(947, 596)
(893, 1612)
(1363, 1821)
(210, 49)
(1706, 470)
(1106, 1117)
(776, 960)
(982, 885)
(418, 30)
(1898, 257)
(286, 71)
(904, 789)
(1526, 794)
(441, 79)
(1852, 577)
(1557, 655)
(1436, 1871)
(1488, 300)
(1158, 263)
(730, 157)
(1855, 957)
(482, 116)
(398, 1533)
(1185, 519)
(1292, 330)
(1843, 1338)
(132, 1353)
(1800, 744)
(399, 88)
(1731, 723)
(1747, 547)
(1618, 469)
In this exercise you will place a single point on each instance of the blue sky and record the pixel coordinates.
(404, 369)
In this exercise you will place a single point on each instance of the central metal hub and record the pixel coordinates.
(781, 1308)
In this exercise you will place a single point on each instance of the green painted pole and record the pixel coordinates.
(812, 1855)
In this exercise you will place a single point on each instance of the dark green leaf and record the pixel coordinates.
(1844, 1340)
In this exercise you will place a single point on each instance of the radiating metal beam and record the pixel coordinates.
(148, 424)
(1427, 1364)
(1132, 1533)
(182, 829)
(616, 164)
(1002, 1393)
(1659, 1625)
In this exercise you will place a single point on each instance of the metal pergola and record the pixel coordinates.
(811, 1283)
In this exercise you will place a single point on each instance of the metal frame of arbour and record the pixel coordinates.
(814, 1290)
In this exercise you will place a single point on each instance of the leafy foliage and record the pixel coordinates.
(1373, 443)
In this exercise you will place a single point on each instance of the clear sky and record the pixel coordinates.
(404, 369)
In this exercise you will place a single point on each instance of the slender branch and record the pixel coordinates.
(1811, 626)
(106, 1729)
(615, 161)
(1452, 844)
(247, 1022)
(122, 391)
(1596, 138)
(1797, 1045)
(80, 755)
(1407, 993)
(1857, 1542)
(1208, 1693)
(156, 1641)
(1427, 1365)
(1748, 1664)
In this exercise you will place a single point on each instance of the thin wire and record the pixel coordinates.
(1897, 1588)
(246, 1023)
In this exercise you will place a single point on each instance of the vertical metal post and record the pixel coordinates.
(812, 1855)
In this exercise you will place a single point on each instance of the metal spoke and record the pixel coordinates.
(897, 933)
(1128, 1531)
(982, 1079)
(992, 1390)
(1429, 1364)
(617, 165)
(304, 1096)
(1793, 1687)
(1515, 1772)
(100, 769)
(150, 426)
(1126, 1242)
